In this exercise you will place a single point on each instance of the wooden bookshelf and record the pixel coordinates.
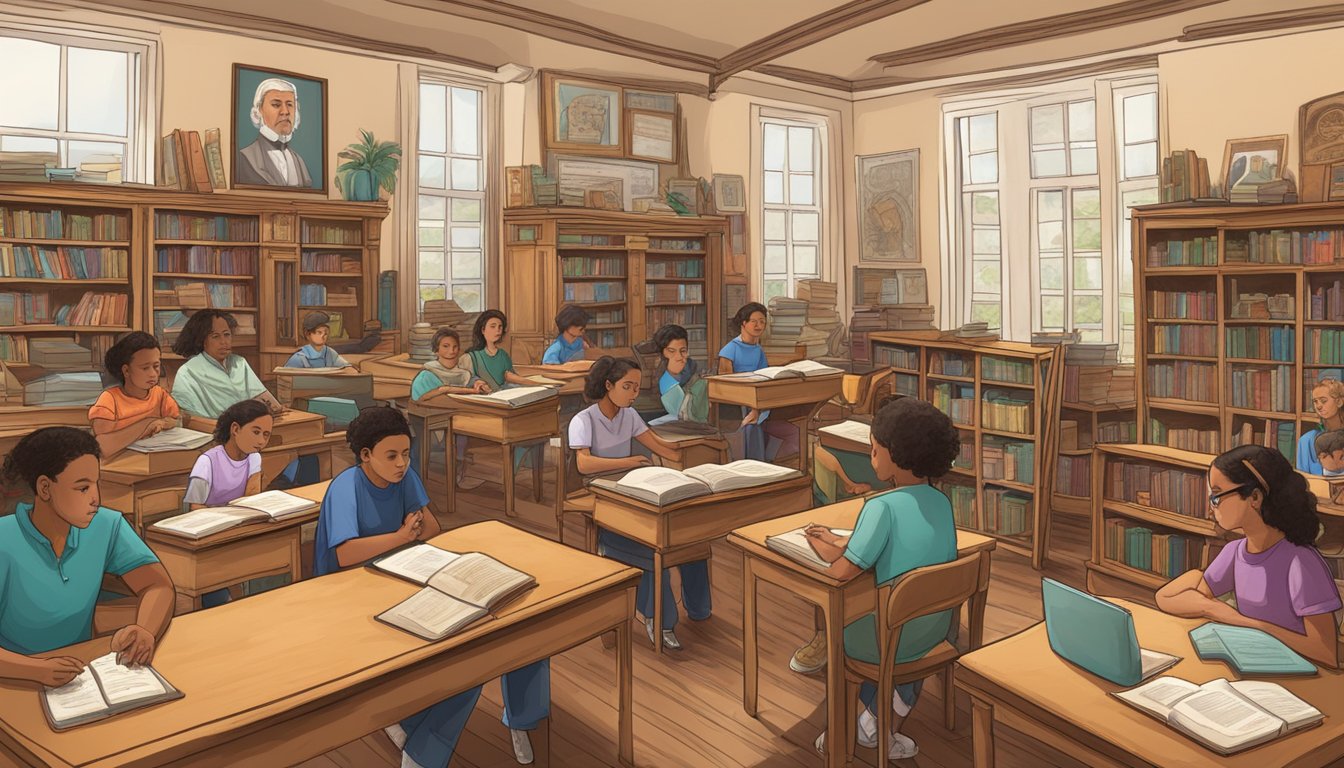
(1075, 464)
(631, 272)
(1004, 399)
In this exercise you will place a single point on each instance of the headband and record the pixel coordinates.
(1258, 476)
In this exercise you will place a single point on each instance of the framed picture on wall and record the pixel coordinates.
(582, 116)
(279, 137)
(651, 135)
(730, 193)
(889, 206)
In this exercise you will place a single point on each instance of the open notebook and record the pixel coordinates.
(103, 689)
(662, 486)
(270, 505)
(514, 397)
(803, 369)
(794, 546)
(458, 589)
(1225, 717)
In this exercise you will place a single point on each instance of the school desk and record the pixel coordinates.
(236, 555)
(1021, 683)
(793, 400)
(294, 387)
(33, 417)
(692, 449)
(392, 375)
(295, 434)
(840, 602)
(146, 485)
(293, 673)
(839, 443)
(682, 532)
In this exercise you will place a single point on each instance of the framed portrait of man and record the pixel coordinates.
(279, 130)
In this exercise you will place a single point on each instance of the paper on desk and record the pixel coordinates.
(175, 439)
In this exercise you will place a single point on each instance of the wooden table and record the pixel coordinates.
(32, 417)
(293, 673)
(145, 485)
(681, 532)
(392, 375)
(841, 602)
(295, 434)
(1021, 683)
(793, 400)
(294, 387)
(236, 555)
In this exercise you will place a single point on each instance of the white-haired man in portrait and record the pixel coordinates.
(270, 160)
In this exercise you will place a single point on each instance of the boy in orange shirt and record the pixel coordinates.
(138, 407)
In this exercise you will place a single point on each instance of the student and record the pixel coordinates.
(905, 528)
(743, 354)
(601, 436)
(569, 345)
(1327, 398)
(53, 554)
(487, 359)
(375, 507)
(839, 474)
(1330, 452)
(316, 353)
(232, 469)
(137, 406)
(1282, 584)
(680, 377)
(448, 373)
(213, 378)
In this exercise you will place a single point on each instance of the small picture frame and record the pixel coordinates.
(583, 116)
(651, 135)
(1248, 163)
(730, 193)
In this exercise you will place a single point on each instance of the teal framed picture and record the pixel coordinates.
(279, 130)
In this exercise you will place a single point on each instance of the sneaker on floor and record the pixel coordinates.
(522, 746)
(810, 657)
(408, 762)
(670, 640)
(397, 734)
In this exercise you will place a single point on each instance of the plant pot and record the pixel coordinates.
(360, 186)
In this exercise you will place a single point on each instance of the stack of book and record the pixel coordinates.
(788, 317)
(100, 169)
(189, 163)
(67, 388)
(821, 315)
(978, 331)
(868, 319)
(247, 327)
(1185, 176)
(26, 166)
(422, 335)
(58, 354)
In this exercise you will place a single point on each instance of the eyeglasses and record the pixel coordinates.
(1217, 498)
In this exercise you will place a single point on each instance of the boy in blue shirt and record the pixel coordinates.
(569, 345)
(375, 507)
(316, 353)
(906, 528)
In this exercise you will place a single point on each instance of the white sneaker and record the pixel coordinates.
(397, 734)
(902, 746)
(407, 762)
(522, 746)
(670, 640)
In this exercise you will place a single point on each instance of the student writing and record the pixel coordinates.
(213, 378)
(569, 344)
(136, 406)
(316, 353)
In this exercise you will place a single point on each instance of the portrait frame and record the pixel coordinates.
(651, 135)
(888, 193)
(730, 193)
(309, 142)
(558, 94)
(1257, 145)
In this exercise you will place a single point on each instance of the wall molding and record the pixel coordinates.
(1264, 22)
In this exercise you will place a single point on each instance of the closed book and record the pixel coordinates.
(200, 169)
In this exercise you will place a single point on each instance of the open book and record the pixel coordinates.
(1250, 651)
(459, 589)
(857, 431)
(103, 689)
(1225, 717)
(794, 546)
(175, 439)
(515, 397)
(269, 505)
(319, 370)
(806, 369)
(662, 486)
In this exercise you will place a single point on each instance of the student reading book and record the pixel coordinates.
(213, 378)
(377, 506)
(458, 589)
(490, 362)
(681, 380)
(905, 528)
(53, 554)
(663, 486)
(802, 369)
(601, 437)
(839, 474)
(1226, 717)
(1282, 584)
(137, 407)
(316, 353)
(106, 687)
(743, 354)
(569, 344)
(449, 373)
(1327, 400)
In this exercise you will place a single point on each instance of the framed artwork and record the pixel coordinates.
(651, 135)
(279, 137)
(582, 116)
(730, 193)
(1248, 163)
(889, 206)
(637, 179)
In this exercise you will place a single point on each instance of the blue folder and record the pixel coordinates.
(1250, 651)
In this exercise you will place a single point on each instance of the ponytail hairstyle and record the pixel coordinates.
(1289, 504)
(606, 371)
(46, 453)
(744, 314)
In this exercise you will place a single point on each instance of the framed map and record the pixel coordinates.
(889, 206)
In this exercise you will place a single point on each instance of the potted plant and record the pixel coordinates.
(369, 165)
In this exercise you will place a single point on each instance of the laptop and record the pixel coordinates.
(1098, 636)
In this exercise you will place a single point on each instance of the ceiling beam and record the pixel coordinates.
(805, 76)
(566, 30)
(1037, 30)
(1264, 22)
(807, 32)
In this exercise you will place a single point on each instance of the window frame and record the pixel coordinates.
(823, 166)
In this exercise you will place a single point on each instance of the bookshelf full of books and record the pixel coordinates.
(1238, 311)
(332, 275)
(631, 272)
(1098, 407)
(1003, 398)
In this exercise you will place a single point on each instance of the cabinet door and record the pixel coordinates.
(528, 297)
(279, 301)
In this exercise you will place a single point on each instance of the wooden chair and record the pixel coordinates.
(920, 592)
(577, 499)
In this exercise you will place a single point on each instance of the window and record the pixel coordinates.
(979, 135)
(451, 180)
(78, 98)
(792, 237)
(1136, 125)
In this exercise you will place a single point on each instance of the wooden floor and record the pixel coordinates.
(688, 704)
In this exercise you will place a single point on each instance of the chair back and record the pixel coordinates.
(928, 590)
(571, 482)
(873, 386)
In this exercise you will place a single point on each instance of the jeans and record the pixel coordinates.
(695, 591)
(432, 734)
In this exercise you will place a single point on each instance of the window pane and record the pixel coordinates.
(432, 171)
(1091, 336)
(431, 265)
(1047, 124)
(1141, 160)
(1052, 313)
(987, 277)
(805, 225)
(1050, 236)
(433, 119)
(431, 235)
(1138, 197)
(984, 312)
(774, 225)
(1127, 311)
(466, 174)
(1050, 206)
(96, 91)
(805, 260)
(466, 210)
(985, 240)
(775, 288)
(985, 207)
(800, 189)
(1086, 309)
(774, 187)
(79, 151)
(1140, 118)
(28, 144)
(985, 168)
(466, 237)
(432, 207)
(1083, 120)
(1087, 204)
(1087, 273)
(1083, 161)
(468, 297)
(432, 292)
(776, 260)
(1087, 234)
(800, 148)
(467, 264)
(29, 100)
(984, 132)
(1052, 276)
(1048, 163)
(776, 141)
(466, 106)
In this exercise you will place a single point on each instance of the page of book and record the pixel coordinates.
(1153, 662)
(1221, 717)
(122, 684)
(660, 483)
(1159, 696)
(175, 439)
(431, 614)
(794, 545)
(519, 393)
(77, 699)
(324, 369)
(417, 563)
(479, 580)
(850, 430)
(812, 368)
(744, 473)
(1251, 649)
(1278, 701)
(203, 522)
(277, 504)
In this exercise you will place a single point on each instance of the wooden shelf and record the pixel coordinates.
(669, 304)
(1099, 407)
(1076, 452)
(1261, 414)
(169, 307)
(1194, 358)
(1258, 321)
(945, 377)
(984, 382)
(1013, 435)
(77, 243)
(963, 471)
(206, 276)
(344, 275)
(1181, 270)
(1011, 485)
(1324, 323)
(673, 252)
(221, 243)
(673, 279)
(1256, 361)
(330, 247)
(605, 326)
(593, 278)
(1144, 579)
(66, 328)
(1160, 517)
(1180, 321)
(581, 247)
(124, 282)
(1203, 409)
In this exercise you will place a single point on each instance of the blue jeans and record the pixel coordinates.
(694, 580)
(909, 693)
(218, 597)
(432, 734)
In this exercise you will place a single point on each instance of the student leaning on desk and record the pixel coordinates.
(53, 554)
(137, 406)
(375, 507)
(1282, 584)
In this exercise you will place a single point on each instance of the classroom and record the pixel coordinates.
(707, 375)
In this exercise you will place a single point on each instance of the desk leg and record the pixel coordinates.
(295, 555)
(982, 733)
(538, 456)
(449, 468)
(658, 606)
(625, 716)
(421, 427)
(508, 481)
(835, 679)
(751, 662)
(804, 444)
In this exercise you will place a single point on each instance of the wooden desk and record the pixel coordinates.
(694, 450)
(289, 427)
(294, 435)
(293, 673)
(681, 532)
(392, 375)
(251, 551)
(294, 388)
(793, 400)
(841, 602)
(1020, 682)
(827, 440)
(31, 417)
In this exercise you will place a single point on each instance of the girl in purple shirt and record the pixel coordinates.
(1282, 584)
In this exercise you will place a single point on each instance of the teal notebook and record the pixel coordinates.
(1250, 651)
